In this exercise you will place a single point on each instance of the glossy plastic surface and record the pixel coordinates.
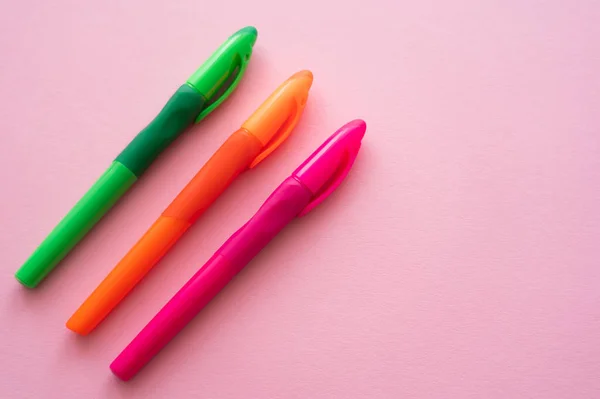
(179, 113)
(313, 181)
(154, 245)
(218, 77)
(274, 120)
(271, 123)
(325, 169)
(232, 158)
(206, 89)
(113, 183)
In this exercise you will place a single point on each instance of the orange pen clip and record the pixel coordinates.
(258, 137)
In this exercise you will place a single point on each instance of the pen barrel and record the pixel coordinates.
(105, 192)
(178, 113)
(129, 271)
(233, 157)
(174, 316)
(281, 207)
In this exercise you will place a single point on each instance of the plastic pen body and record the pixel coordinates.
(288, 200)
(175, 117)
(98, 200)
(313, 181)
(200, 95)
(232, 158)
(264, 131)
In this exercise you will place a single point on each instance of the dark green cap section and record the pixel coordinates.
(179, 113)
(204, 91)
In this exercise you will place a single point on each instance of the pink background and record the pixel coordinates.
(458, 260)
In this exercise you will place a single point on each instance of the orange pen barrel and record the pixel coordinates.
(234, 156)
(149, 249)
(230, 160)
(260, 135)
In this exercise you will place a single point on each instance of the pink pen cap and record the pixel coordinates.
(325, 169)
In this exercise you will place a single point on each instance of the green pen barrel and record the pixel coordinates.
(178, 114)
(113, 183)
(204, 91)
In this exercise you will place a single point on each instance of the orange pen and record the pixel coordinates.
(259, 136)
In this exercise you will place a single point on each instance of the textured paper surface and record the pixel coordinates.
(460, 259)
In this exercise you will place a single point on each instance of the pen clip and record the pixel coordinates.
(228, 85)
(325, 169)
(220, 74)
(336, 179)
(281, 135)
(273, 122)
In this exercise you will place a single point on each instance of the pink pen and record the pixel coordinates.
(308, 186)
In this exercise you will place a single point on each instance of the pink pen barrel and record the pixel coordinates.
(174, 316)
(286, 202)
(308, 186)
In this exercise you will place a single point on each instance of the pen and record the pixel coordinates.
(310, 184)
(205, 90)
(260, 135)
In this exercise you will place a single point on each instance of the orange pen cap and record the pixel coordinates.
(265, 130)
(275, 119)
(258, 137)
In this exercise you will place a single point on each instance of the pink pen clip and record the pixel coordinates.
(323, 172)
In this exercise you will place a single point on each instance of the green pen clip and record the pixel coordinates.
(218, 77)
(204, 91)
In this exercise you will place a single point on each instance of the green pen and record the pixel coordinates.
(204, 91)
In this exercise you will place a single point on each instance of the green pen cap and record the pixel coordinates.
(218, 77)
